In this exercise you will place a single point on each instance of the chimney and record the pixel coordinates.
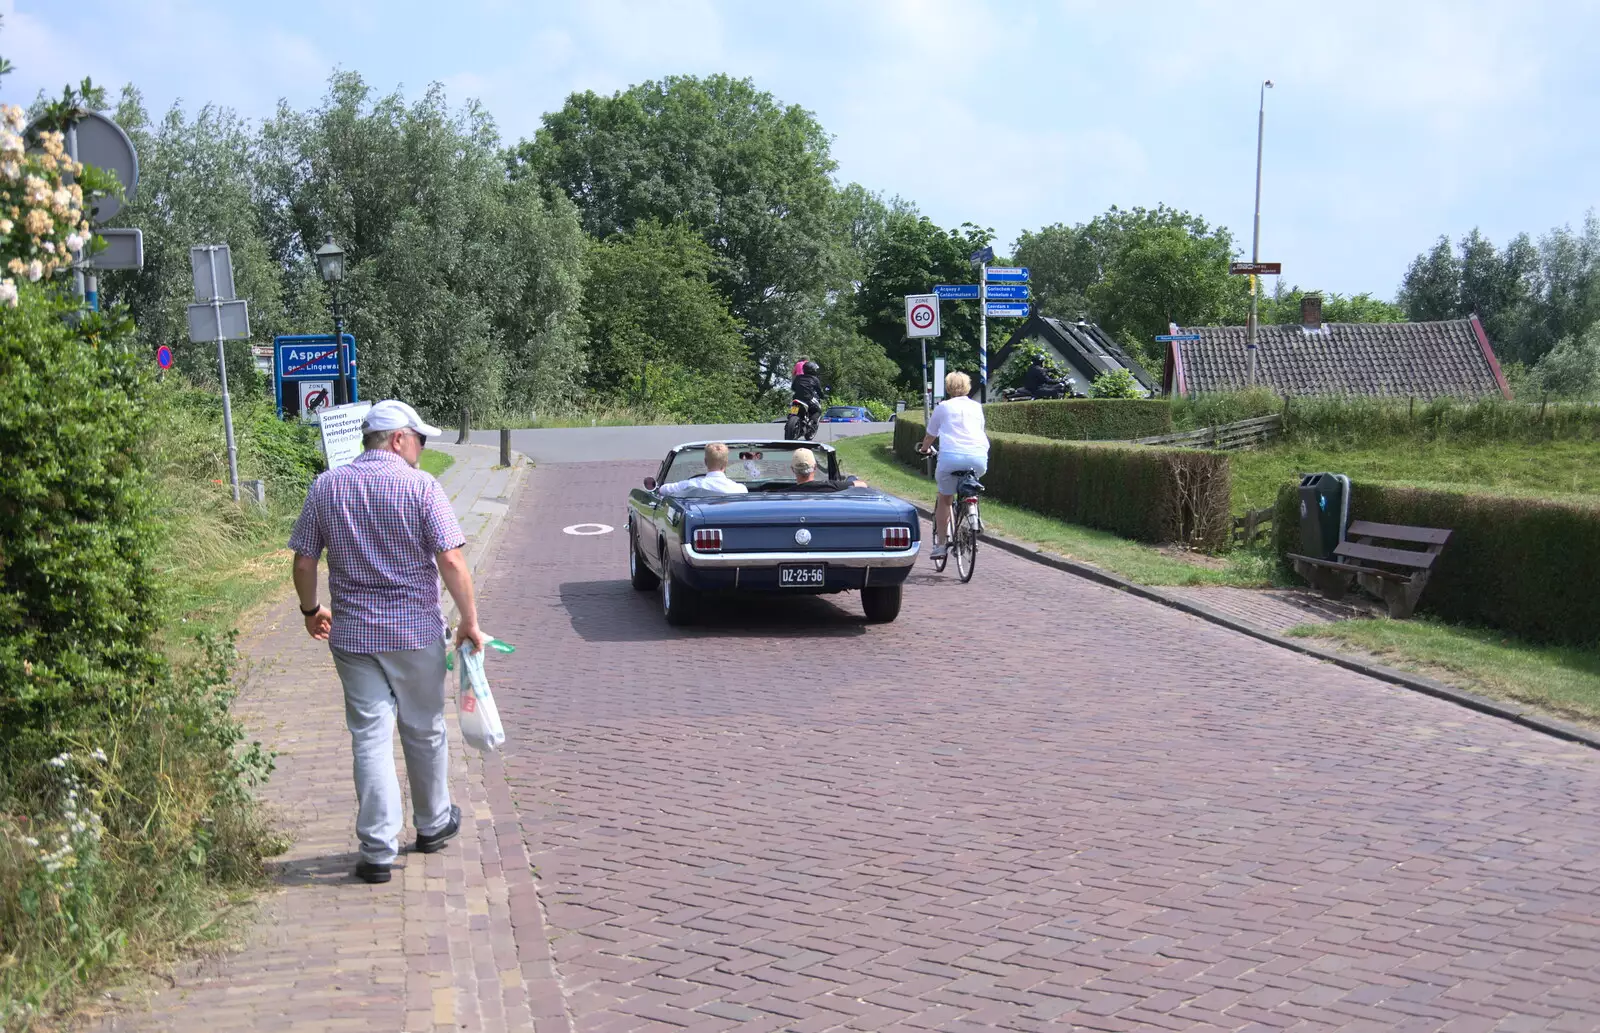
(1311, 311)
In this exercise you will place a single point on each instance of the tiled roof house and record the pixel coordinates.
(1449, 358)
(1083, 349)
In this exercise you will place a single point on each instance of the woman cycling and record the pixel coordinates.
(957, 424)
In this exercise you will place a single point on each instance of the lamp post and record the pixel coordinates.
(330, 264)
(1255, 243)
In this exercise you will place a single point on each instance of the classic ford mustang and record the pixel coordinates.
(779, 537)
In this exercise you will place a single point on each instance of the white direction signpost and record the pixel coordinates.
(219, 317)
(922, 320)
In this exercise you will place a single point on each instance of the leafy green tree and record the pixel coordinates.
(751, 175)
(1431, 289)
(1572, 368)
(911, 256)
(853, 365)
(1063, 263)
(1165, 271)
(462, 288)
(1283, 307)
(654, 314)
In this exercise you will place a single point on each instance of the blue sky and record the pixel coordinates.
(1392, 122)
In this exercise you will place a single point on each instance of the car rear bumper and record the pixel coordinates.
(765, 579)
(883, 559)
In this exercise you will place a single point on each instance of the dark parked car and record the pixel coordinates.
(776, 538)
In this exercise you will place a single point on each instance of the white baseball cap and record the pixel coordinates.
(393, 415)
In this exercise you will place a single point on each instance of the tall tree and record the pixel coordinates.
(748, 173)
(660, 335)
(1431, 289)
(461, 288)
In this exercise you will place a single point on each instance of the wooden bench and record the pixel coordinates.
(1396, 576)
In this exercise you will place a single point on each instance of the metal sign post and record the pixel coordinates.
(922, 320)
(218, 316)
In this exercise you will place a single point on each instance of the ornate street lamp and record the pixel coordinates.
(330, 264)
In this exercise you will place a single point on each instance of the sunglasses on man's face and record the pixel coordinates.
(422, 440)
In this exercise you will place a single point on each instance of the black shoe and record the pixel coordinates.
(371, 871)
(434, 843)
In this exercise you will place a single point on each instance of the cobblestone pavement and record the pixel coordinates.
(1033, 801)
(1275, 609)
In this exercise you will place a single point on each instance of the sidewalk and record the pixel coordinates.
(455, 942)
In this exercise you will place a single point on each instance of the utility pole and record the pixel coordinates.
(983, 331)
(1255, 242)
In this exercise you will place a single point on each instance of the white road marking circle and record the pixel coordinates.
(585, 529)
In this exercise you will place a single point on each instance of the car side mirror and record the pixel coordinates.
(649, 484)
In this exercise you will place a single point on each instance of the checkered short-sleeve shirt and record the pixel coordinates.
(382, 523)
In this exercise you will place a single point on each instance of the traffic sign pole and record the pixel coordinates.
(983, 332)
(222, 372)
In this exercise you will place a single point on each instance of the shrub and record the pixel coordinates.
(1526, 565)
(1334, 420)
(1117, 383)
(1082, 419)
(1016, 366)
(1148, 494)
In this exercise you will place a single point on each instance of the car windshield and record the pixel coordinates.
(842, 410)
(747, 464)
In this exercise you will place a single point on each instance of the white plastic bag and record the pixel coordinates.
(480, 718)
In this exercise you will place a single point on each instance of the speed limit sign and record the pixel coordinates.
(922, 315)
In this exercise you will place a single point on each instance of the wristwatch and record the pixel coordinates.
(314, 608)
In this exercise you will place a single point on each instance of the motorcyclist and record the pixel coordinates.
(1039, 380)
(808, 386)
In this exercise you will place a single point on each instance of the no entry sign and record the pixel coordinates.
(922, 315)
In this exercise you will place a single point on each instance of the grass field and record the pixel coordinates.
(1562, 681)
(1560, 468)
(436, 462)
(869, 456)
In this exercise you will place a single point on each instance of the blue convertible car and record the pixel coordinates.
(780, 537)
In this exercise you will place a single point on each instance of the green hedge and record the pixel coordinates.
(1082, 419)
(1527, 565)
(1140, 492)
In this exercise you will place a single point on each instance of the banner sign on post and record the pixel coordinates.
(1006, 274)
(938, 378)
(1008, 292)
(922, 315)
(1006, 310)
(957, 291)
(341, 432)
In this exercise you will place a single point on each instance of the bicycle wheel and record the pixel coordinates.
(966, 544)
(940, 561)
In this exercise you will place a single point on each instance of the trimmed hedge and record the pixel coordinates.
(1140, 492)
(1526, 565)
(1082, 419)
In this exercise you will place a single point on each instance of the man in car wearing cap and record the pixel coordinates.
(390, 534)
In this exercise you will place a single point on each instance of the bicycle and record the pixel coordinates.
(965, 524)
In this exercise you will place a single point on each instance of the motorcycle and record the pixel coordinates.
(1059, 389)
(801, 424)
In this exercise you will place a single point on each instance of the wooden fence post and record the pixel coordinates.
(466, 426)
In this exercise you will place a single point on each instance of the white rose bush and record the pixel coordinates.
(44, 226)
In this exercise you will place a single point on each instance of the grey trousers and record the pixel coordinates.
(380, 689)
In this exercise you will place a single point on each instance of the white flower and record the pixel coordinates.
(14, 116)
(8, 293)
(61, 760)
(10, 171)
(11, 143)
(35, 272)
(98, 753)
(30, 841)
(49, 247)
(75, 242)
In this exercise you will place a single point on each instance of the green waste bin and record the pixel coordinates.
(1324, 513)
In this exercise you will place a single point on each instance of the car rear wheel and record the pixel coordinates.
(639, 573)
(881, 603)
(678, 600)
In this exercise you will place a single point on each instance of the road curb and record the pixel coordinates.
(484, 546)
(1417, 683)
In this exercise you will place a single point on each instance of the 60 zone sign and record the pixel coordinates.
(922, 315)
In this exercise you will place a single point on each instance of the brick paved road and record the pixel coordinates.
(788, 820)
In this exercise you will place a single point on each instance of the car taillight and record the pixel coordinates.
(708, 539)
(897, 537)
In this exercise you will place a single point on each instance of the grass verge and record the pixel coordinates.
(1559, 680)
(436, 462)
(1545, 468)
(870, 456)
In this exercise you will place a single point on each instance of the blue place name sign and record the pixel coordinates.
(312, 356)
(957, 291)
(1006, 274)
(1008, 292)
(1177, 337)
(1006, 310)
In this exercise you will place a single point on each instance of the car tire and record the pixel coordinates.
(881, 603)
(678, 600)
(640, 575)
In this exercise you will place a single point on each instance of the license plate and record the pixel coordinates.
(795, 409)
(809, 576)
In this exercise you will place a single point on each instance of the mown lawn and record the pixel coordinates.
(1562, 468)
(1556, 679)
(436, 462)
(869, 456)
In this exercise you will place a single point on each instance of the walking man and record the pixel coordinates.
(390, 534)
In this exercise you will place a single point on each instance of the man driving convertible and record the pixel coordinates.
(804, 465)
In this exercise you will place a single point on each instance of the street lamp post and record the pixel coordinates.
(330, 264)
(1255, 243)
